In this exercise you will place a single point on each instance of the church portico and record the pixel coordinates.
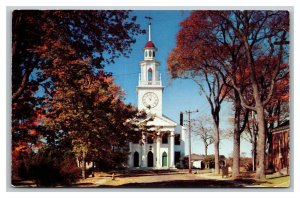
(158, 150)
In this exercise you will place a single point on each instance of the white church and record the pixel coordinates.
(165, 149)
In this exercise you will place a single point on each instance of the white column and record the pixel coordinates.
(158, 157)
(172, 136)
(143, 163)
(130, 164)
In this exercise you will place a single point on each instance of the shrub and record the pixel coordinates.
(229, 161)
(48, 173)
(49, 168)
(45, 174)
(177, 165)
(248, 166)
(246, 163)
(69, 172)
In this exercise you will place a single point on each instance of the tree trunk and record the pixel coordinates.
(236, 154)
(253, 141)
(83, 167)
(205, 147)
(93, 169)
(23, 85)
(254, 153)
(261, 140)
(216, 147)
(261, 143)
(236, 139)
(268, 142)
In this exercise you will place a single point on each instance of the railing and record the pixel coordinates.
(149, 82)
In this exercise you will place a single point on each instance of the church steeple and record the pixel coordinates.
(150, 84)
(149, 68)
(150, 49)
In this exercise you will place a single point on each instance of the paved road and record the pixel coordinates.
(170, 180)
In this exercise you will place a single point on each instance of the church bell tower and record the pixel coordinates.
(150, 87)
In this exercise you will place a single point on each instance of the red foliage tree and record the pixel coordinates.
(58, 57)
(246, 48)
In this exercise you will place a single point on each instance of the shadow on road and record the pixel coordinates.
(189, 184)
(140, 173)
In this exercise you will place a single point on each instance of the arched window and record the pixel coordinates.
(153, 54)
(150, 53)
(145, 53)
(150, 74)
(150, 159)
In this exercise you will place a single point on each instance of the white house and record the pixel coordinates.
(166, 147)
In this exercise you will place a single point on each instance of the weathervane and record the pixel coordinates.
(149, 19)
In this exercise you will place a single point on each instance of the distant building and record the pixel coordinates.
(198, 161)
(164, 148)
(279, 158)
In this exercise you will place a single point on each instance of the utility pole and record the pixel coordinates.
(190, 142)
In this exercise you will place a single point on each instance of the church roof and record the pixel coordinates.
(168, 118)
(202, 157)
(162, 121)
(149, 44)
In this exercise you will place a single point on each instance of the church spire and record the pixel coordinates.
(149, 27)
(150, 49)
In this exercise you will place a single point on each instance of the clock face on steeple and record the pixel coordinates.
(150, 100)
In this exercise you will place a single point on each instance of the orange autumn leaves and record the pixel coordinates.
(64, 52)
(206, 44)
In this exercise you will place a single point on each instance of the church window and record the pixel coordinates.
(165, 139)
(177, 157)
(150, 159)
(150, 53)
(153, 53)
(149, 74)
(136, 159)
(177, 139)
(145, 53)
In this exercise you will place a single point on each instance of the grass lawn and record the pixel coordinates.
(282, 181)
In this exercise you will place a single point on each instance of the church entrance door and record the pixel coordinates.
(136, 159)
(164, 159)
(150, 159)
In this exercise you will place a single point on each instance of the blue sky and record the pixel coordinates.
(179, 95)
